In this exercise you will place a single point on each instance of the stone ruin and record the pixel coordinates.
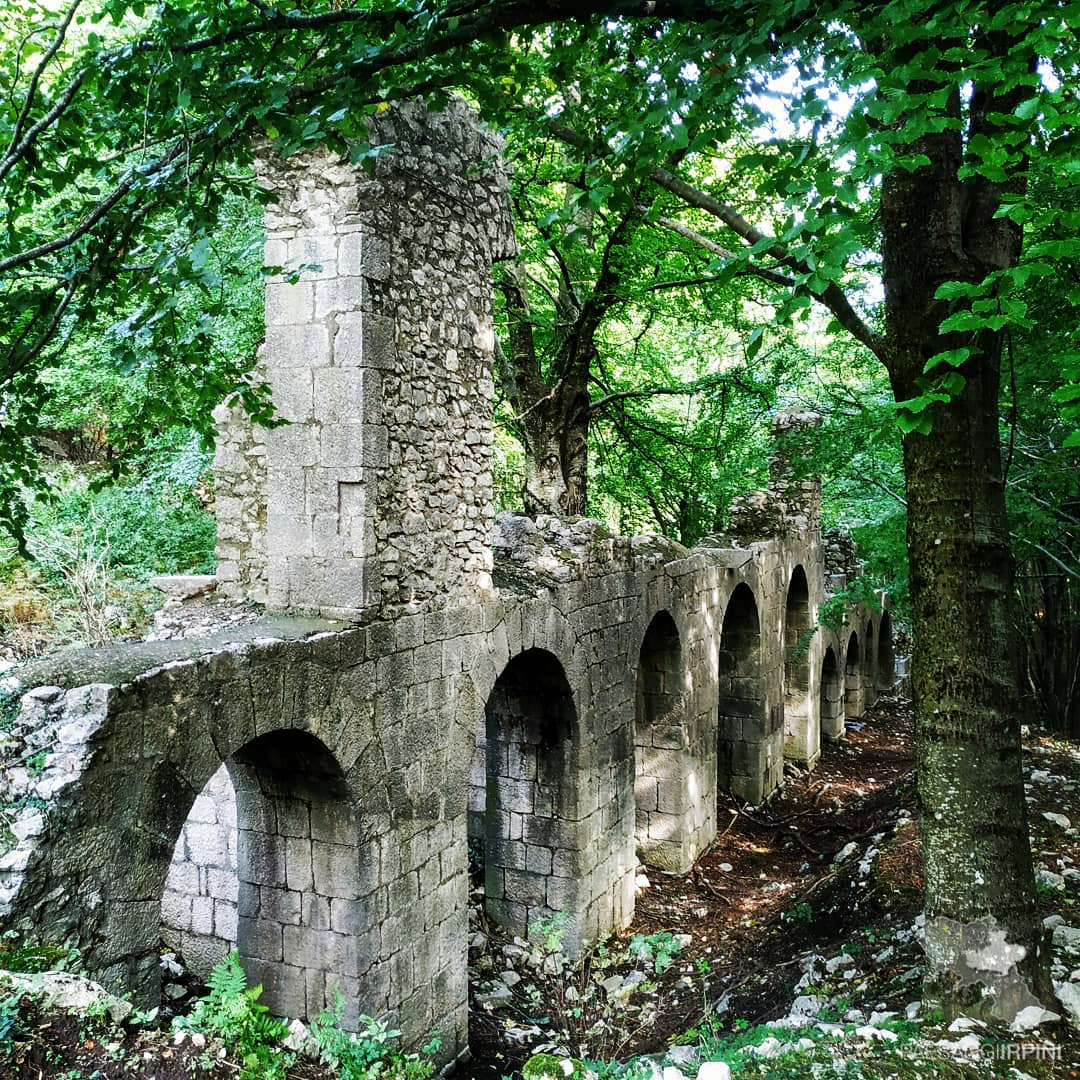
(305, 786)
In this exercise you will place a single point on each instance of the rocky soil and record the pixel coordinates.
(799, 937)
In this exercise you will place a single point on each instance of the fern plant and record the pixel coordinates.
(232, 1012)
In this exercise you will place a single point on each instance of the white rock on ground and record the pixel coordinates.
(1067, 937)
(871, 1033)
(493, 995)
(964, 1023)
(845, 852)
(70, 991)
(1057, 819)
(767, 1048)
(1032, 1017)
(966, 1046)
(1069, 995)
(838, 961)
(878, 1017)
(300, 1039)
(683, 1055)
(714, 1070)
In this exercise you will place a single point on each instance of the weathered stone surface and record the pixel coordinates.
(184, 586)
(377, 493)
(66, 990)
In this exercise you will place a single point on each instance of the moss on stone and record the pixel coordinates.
(550, 1067)
(118, 664)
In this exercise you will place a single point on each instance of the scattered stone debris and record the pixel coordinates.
(67, 990)
(197, 616)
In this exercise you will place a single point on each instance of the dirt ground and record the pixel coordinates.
(768, 891)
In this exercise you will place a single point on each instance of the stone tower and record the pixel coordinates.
(375, 494)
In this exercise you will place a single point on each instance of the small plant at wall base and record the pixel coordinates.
(658, 949)
(370, 1052)
(590, 1010)
(232, 1013)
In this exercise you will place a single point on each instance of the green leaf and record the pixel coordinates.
(950, 357)
(200, 252)
(954, 290)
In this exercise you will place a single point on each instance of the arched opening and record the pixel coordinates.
(199, 905)
(832, 697)
(886, 658)
(529, 841)
(797, 636)
(275, 834)
(659, 742)
(853, 697)
(742, 752)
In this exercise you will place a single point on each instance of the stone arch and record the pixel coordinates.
(530, 838)
(304, 890)
(742, 731)
(831, 696)
(199, 904)
(531, 626)
(660, 744)
(886, 657)
(163, 735)
(853, 696)
(798, 630)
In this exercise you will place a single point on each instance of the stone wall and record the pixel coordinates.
(350, 749)
(377, 492)
(240, 499)
(198, 907)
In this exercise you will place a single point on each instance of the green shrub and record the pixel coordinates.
(232, 1013)
(368, 1053)
(657, 949)
(94, 544)
(154, 524)
(33, 959)
(9, 1024)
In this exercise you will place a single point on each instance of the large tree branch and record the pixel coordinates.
(523, 366)
(599, 404)
(722, 252)
(35, 79)
(832, 296)
(18, 150)
(95, 215)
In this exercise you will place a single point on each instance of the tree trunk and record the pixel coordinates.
(982, 923)
(555, 434)
(983, 930)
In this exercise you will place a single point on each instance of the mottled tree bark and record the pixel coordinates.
(555, 435)
(982, 924)
(980, 889)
